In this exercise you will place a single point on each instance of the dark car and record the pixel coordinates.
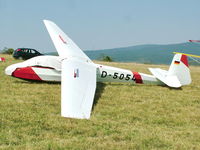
(25, 53)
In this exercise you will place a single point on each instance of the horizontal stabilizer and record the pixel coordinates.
(178, 73)
(78, 87)
(162, 75)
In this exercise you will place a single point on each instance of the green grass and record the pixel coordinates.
(123, 117)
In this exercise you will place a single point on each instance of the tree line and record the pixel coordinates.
(7, 51)
(10, 51)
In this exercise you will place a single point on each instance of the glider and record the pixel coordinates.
(195, 41)
(2, 59)
(78, 74)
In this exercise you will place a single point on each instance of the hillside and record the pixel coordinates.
(150, 54)
(123, 116)
(155, 54)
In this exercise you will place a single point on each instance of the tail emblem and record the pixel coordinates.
(183, 59)
(176, 62)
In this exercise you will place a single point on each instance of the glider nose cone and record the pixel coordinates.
(10, 69)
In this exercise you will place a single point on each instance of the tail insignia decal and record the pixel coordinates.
(76, 73)
(176, 62)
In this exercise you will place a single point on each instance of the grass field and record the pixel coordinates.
(123, 116)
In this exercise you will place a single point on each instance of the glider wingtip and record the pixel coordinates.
(46, 21)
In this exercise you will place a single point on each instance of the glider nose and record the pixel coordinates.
(10, 69)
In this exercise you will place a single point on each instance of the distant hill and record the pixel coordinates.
(153, 54)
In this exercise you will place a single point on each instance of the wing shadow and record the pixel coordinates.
(36, 82)
(99, 90)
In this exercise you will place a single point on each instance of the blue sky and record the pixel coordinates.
(99, 24)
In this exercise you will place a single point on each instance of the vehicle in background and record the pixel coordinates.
(25, 53)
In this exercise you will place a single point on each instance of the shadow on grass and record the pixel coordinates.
(99, 90)
(172, 88)
(24, 81)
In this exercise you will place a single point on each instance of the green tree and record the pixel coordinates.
(7, 51)
(106, 58)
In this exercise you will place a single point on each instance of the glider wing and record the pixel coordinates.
(65, 46)
(77, 88)
(78, 77)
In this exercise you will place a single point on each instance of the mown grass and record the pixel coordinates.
(123, 116)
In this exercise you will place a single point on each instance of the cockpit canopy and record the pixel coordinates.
(44, 61)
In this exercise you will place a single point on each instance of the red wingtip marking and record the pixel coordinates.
(138, 78)
(184, 60)
(26, 73)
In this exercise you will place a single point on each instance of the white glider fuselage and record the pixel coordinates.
(113, 74)
(38, 69)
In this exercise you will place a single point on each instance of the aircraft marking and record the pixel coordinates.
(62, 39)
(120, 76)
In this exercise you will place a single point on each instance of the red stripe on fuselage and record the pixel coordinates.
(26, 73)
(137, 77)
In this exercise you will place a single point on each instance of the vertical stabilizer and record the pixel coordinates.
(180, 68)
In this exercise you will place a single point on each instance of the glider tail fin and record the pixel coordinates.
(178, 73)
(180, 68)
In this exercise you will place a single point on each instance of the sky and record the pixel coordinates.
(99, 24)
